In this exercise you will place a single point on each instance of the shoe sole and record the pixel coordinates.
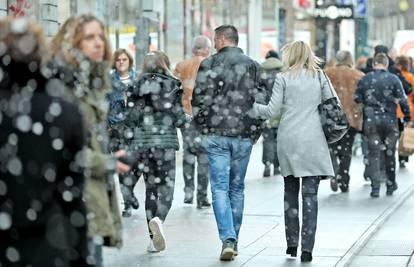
(227, 254)
(157, 237)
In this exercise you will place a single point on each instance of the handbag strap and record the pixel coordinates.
(329, 84)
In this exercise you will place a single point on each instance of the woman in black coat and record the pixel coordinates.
(42, 215)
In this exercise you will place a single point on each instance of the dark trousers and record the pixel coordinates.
(194, 153)
(158, 168)
(341, 155)
(270, 147)
(310, 187)
(382, 137)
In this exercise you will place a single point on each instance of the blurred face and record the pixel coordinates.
(93, 41)
(219, 42)
(122, 63)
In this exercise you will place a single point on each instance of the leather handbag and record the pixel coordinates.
(332, 115)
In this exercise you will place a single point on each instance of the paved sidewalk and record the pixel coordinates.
(192, 238)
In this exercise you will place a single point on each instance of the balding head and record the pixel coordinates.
(201, 46)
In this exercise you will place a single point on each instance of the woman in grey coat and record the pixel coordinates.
(302, 148)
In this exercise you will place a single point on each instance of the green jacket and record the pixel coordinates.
(104, 217)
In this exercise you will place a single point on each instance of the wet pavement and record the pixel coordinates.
(349, 227)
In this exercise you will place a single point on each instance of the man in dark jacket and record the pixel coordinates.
(379, 92)
(271, 66)
(226, 86)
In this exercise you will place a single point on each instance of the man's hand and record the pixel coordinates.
(121, 167)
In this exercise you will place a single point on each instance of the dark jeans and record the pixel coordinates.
(310, 187)
(270, 147)
(382, 138)
(341, 155)
(158, 168)
(194, 153)
(115, 134)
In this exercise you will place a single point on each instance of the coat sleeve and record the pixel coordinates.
(359, 92)
(273, 110)
(402, 99)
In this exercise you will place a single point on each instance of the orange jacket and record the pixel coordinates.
(410, 98)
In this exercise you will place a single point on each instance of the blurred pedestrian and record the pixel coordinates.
(154, 111)
(122, 78)
(226, 85)
(81, 58)
(43, 217)
(403, 64)
(186, 71)
(411, 65)
(271, 66)
(344, 80)
(302, 148)
(380, 91)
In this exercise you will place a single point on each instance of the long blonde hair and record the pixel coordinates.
(298, 56)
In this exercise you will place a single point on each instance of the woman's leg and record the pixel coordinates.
(291, 210)
(310, 187)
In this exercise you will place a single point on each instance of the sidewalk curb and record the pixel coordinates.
(372, 229)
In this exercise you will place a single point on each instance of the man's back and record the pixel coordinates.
(186, 71)
(226, 85)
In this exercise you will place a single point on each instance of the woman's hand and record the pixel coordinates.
(121, 167)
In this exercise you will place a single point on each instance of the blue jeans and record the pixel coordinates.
(228, 158)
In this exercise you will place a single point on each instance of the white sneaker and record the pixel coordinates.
(151, 248)
(158, 238)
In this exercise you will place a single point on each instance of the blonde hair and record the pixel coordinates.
(298, 56)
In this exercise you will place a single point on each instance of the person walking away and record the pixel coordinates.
(41, 180)
(81, 55)
(345, 80)
(186, 71)
(226, 85)
(302, 147)
(122, 77)
(154, 111)
(403, 63)
(379, 92)
(271, 66)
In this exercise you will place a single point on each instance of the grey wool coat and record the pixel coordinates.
(301, 145)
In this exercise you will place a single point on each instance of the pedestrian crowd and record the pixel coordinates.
(75, 118)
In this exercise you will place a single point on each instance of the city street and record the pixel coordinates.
(353, 229)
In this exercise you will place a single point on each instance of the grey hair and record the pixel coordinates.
(344, 58)
(201, 44)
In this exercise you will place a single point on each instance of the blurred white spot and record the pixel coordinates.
(13, 139)
(55, 109)
(6, 60)
(77, 219)
(67, 196)
(50, 175)
(68, 181)
(15, 166)
(31, 214)
(19, 26)
(24, 123)
(37, 128)
(5, 221)
(12, 254)
(57, 144)
(3, 188)
(157, 180)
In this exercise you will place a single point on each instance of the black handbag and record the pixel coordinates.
(332, 115)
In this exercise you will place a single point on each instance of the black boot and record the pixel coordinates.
(293, 251)
(266, 172)
(306, 256)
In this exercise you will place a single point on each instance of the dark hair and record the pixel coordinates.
(404, 62)
(158, 62)
(272, 53)
(229, 32)
(380, 49)
(381, 58)
(119, 52)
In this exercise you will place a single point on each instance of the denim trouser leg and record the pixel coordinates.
(228, 159)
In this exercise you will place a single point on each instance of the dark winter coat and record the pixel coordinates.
(154, 111)
(116, 98)
(41, 183)
(392, 69)
(380, 91)
(226, 86)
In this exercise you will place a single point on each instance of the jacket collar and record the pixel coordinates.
(230, 48)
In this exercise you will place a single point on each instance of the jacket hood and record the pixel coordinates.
(272, 63)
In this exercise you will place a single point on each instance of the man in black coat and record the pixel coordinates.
(226, 86)
(379, 92)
